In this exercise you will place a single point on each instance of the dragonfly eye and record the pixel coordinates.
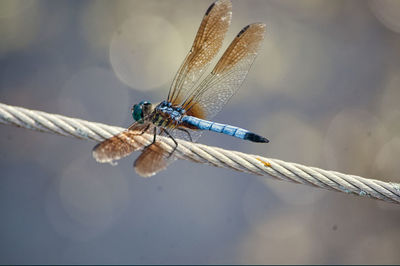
(137, 113)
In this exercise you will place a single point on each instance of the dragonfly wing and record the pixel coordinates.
(206, 45)
(182, 132)
(228, 74)
(152, 160)
(120, 145)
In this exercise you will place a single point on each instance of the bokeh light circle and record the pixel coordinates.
(10, 8)
(93, 87)
(386, 162)
(387, 12)
(86, 201)
(351, 141)
(146, 51)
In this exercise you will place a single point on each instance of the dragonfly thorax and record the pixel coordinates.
(141, 110)
(174, 111)
(166, 115)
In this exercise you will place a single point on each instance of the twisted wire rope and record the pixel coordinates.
(253, 164)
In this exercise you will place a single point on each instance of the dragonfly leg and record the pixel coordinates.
(155, 134)
(176, 143)
(187, 132)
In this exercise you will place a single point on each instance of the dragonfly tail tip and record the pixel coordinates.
(255, 138)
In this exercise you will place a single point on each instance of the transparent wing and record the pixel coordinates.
(120, 145)
(152, 160)
(180, 134)
(155, 159)
(206, 45)
(227, 76)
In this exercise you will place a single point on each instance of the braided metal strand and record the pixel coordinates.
(253, 164)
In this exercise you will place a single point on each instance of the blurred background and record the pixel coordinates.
(324, 89)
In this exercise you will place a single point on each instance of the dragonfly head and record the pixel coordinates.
(141, 110)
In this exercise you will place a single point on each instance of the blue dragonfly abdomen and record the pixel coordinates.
(233, 131)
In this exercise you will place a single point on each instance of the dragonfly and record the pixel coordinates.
(192, 100)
